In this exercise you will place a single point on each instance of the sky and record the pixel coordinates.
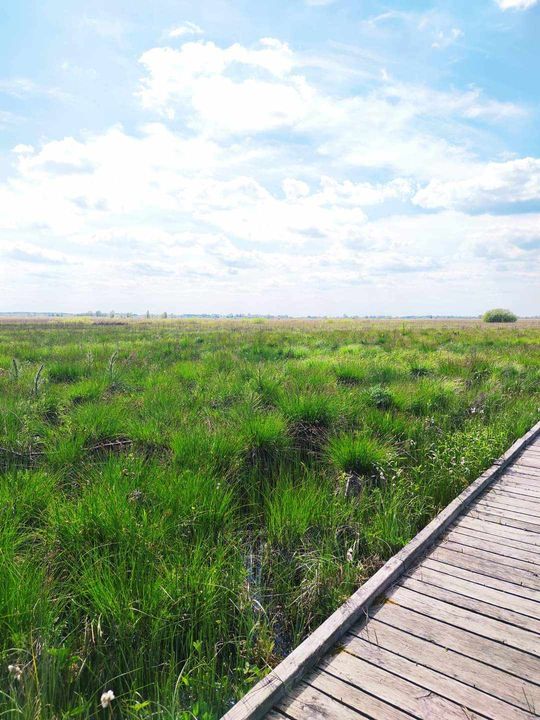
(301, 157)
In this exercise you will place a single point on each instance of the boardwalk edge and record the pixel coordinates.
(266, 693)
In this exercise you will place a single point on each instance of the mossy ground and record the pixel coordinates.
(173, 515)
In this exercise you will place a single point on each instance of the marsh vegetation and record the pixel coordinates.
(181, 502)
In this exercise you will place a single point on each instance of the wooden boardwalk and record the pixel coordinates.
(449, 628)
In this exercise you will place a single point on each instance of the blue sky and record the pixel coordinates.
(300, 157)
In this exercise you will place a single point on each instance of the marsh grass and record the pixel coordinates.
(172, 516)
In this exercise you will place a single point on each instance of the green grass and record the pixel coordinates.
(173, 514)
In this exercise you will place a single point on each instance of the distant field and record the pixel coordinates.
(181, 502)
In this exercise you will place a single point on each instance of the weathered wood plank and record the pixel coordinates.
(508, 513)
(394, 689)
(521, 473)
(525, 470)
(511, 660)
(460, 617)
(309, 702)
(501, 520)
(529, 461)
(509, 499)
(530, 493)
(490, 556)
(518, 482)
(345, 694)
(450, 595)
(527, 609)
(512, 690)
(518, 577)
(531, 540)
(471, 540)
(472, 698)
(532, 453)
(501, 533)
(529, 505)
(482, 580)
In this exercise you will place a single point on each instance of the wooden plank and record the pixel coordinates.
(529, 506)
(531, 453)
(472, 540)
(467, 696)
(280, 680)
(488, 651)
(350, 697)
(525, 470)
(500, 533)
(491, 556)
(511, 522)
(482, 580)
(515, 510)
(529, 461)
(525, 538)
(517, 500)
(519, 483)
(470, 672)
(353, 696)
(460, 617)
(475, 604)
(481, 506)
(532, 494)
(520, 578)
(520, 472)
(308, 702)
(394, 689)
(528, 609)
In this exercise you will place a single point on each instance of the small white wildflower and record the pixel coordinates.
(107, 698)
(15, 671)
(350, 555)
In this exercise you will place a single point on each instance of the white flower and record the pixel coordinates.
(15, 671)
(350, 555)
(107, 698)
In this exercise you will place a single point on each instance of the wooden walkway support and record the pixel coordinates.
(448, 628)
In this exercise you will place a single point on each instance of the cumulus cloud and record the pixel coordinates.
(252, 175)
(250, 91)
(514, 181)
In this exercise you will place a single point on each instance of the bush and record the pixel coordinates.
(381, 397)
(499, 315)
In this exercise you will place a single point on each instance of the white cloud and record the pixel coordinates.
(223, 92)
(23, 149)
(264, 184)
(187, 28)
(516, 4)
(508, 182)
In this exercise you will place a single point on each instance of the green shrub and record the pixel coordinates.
(381, 398)
(499, 315)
